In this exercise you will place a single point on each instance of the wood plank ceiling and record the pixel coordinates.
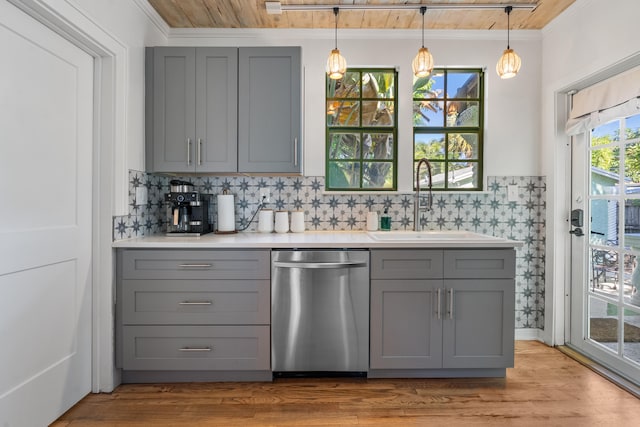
(253, 14)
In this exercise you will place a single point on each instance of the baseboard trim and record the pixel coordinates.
(601, 370)
(529, 334)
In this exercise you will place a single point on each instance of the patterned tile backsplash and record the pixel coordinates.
(488, 212)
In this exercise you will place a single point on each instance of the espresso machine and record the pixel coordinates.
(189, 211)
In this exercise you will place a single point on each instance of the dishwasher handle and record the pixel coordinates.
(324, 265)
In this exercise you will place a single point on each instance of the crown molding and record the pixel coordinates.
(154, 17)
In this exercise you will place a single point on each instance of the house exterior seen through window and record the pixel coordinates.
(361, 130)
(448, 116)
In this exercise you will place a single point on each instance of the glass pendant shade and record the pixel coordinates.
(336, 65)
(422, 63)
(509, 64)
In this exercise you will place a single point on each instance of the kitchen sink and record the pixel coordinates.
(452, 235)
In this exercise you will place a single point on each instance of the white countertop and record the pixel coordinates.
(318, 239)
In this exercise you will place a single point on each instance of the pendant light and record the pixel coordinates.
(509, 63)
(336, 64)
(423, 62)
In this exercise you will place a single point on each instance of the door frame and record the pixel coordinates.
(109, 136)
(558, 272)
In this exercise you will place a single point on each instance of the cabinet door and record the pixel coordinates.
(406, 329)
(173, 101)
(216, 109)
(478, 329)
(269, 113)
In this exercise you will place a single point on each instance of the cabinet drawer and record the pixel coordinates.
(406, 264)
(194, 348)
(480, 264)
(194, 264)
(196, 302)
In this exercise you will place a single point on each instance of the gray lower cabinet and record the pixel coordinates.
(223, 109)
(188, 315)
(442, 313)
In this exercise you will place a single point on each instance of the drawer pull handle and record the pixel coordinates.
(195, 303)
(192, 349)
(196, 265)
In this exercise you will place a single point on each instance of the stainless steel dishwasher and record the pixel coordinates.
(319, 312)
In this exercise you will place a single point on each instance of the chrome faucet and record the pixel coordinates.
(416, 204)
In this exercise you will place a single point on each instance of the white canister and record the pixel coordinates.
(372, 221)
(265, 221)
(282, 221)
(297, 221)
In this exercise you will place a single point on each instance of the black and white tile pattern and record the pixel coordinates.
(488, 212)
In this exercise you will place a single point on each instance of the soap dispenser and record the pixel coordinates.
(385, 220)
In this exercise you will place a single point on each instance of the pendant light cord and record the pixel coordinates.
(508, 10)
(423, 9)
(335, 12)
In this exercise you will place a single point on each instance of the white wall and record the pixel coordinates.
(591, 40)
(512, 131)
(127, 23)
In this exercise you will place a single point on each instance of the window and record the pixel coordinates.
(447, 127)
(362, 130)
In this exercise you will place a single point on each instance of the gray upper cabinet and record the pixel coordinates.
(223, 109)
(269, 113)
(192, 109)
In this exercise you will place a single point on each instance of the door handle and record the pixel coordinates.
(577, 221)
(438, 303)
(199, 151)
(577, 232)
(451, 304)
(326, 265)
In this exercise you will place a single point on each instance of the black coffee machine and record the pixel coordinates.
(190, 212)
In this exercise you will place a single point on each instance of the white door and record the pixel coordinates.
(46, 102)
(605, 285)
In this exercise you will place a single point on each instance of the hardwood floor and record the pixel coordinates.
(546, 388)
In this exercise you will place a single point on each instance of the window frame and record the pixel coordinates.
(446, 160)
(393, 130)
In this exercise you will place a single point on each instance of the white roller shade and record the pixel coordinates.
(616, 97)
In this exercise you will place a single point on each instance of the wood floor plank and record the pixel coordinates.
(546, 388)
